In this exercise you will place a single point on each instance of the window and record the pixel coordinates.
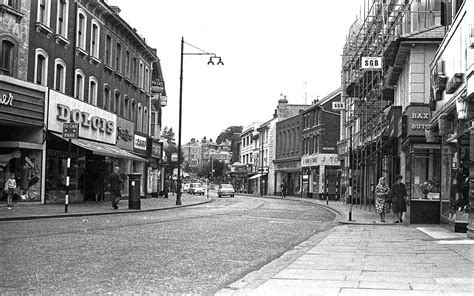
(140, 78)
(133, 114)
(127, 63)
(7, 55)
(14, 4)
(62, 21)
(106, 100)
(41, 67)
(153, 127)
(43, 12)
(81, 29)
(60, 75)
(145, 120)
(95, 34)
(116, 108)
(108, 50)
(118, 58)
(79, 85)
(126, 107)
(93, 90)
(139, 122)
(147, 77)
(135, 69)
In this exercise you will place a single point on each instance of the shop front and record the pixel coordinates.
(319, 176)
(155, 168)
(22, 145)
(288, 172)
(140, 141)
(93, 154)
(420, 166)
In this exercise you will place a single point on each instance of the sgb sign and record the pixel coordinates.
(371, 63)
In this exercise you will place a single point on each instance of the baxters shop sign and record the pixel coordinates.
(94, 123)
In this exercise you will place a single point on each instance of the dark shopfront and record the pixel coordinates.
(22, 137)
(288, 172)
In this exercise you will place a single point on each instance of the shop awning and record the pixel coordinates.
(256, 176)
(106, 150)
(103, 149)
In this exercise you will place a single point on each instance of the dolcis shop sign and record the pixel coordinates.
(66, 114)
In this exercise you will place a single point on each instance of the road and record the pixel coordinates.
(196, 250)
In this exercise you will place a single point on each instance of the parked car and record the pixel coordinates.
(225, 189)
(196, 188)
(185, 188)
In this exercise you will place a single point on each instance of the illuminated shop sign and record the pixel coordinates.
(94, 123)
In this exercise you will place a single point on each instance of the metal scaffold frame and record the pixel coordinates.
(366, 97)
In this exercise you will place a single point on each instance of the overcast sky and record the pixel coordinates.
(269, 47)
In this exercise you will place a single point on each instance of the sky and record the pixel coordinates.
(268, 47)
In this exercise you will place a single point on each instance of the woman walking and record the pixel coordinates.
(398, 194)
(381, 192)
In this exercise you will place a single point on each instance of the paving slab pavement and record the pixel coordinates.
(32, 210)
(360, 257)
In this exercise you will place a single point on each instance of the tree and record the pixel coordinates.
(228, 133)
(168, 134)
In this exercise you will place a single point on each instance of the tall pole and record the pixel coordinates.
(350, 169)
(178, 185)
(261, 164)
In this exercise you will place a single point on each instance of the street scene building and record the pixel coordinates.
(79, 62)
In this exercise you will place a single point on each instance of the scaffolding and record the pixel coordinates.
(367, 96)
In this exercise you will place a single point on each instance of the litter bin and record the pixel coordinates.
(134, 191)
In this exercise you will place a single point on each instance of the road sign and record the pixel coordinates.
(70, 130)
(338, 105)
(374, 63)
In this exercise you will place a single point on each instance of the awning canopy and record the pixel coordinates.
(98, 148)
(103, 149)
(257, 176)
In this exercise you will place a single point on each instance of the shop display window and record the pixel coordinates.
(25, 164)
(426, 175)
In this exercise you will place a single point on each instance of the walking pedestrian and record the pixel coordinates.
(283, 189)
(116, 183)
(398, 194)
(381, 192)
(11, 188)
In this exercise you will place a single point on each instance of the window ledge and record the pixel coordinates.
(110, 69)
(119, 74)
(80, 51)
(128, 80)
(13, 11)
(94, 60)
(61, 39)
(40, 27)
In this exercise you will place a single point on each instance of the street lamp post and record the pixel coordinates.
(211, 62)
(261, 162)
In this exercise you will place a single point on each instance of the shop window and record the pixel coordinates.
(60, 75)
(41, 67)
(93, 91)
(62, 19)
(8, 57)
(44, 7)
(81, 29)
(79, 85)
(95, 34)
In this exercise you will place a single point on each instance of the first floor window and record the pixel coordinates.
(79, 85)
(60, 76)
(41, 67)
(7, 58)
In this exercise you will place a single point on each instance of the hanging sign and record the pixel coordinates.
(373, 63)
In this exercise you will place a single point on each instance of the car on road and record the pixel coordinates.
(196, 188)
(185, 188)
(225, 189)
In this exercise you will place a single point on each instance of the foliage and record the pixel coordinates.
(168, 134)
(430, 185)
(228, 133)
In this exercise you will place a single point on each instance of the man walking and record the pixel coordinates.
(116, 183)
